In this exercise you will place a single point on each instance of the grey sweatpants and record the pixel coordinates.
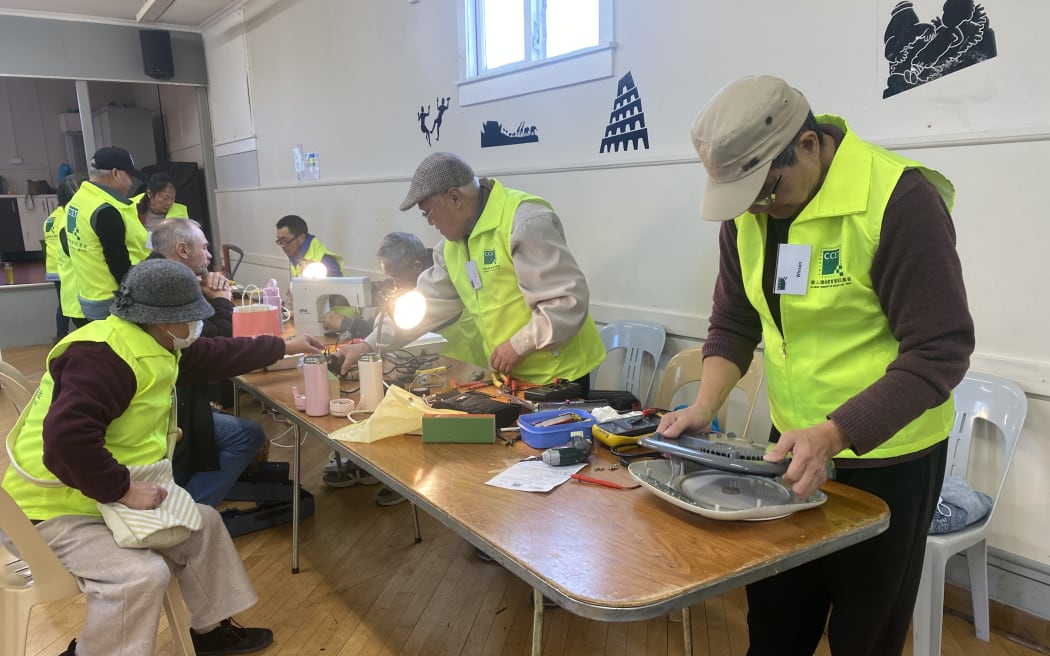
(125, 587)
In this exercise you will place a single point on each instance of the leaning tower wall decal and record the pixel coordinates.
(627, 121)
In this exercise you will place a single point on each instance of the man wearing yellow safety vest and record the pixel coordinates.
(103, 230)
(841, 256)
(302, 248)
(505, 265)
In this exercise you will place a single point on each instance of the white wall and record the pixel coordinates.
(345, 78)
(29, 128)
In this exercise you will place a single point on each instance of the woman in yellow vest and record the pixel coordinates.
(102, 406)
(57, 256)
(840, 256)
(157, 202)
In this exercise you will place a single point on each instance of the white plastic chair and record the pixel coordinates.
(1001, 405)
(16, 387)
(40, 577)
(638, 338)
(687, 367)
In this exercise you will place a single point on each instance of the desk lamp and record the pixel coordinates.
(407, 311)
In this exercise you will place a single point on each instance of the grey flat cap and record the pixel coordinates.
(160, 291)
(435, 175)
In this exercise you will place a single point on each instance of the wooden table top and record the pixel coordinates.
(607, 554)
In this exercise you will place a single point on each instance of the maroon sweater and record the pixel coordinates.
(93, 386)
(918, 280)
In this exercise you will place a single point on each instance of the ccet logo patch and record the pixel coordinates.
(832, 273)
(488, 257)
(71, 220)
(830, 262)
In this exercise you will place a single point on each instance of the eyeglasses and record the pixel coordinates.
(771, 197)
(426, 213)
(285, 242)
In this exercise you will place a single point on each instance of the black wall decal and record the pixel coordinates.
(627, 121)
(494, 134)
(435, 127)
(923, 52)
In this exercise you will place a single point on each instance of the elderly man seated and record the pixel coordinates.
(103, 406)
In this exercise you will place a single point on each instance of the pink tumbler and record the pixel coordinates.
(315, 378)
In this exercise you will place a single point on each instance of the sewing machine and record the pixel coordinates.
(310, 297)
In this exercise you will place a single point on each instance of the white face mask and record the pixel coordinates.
(184, 342)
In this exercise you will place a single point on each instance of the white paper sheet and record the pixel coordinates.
(533, 476)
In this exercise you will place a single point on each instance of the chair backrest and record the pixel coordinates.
(998, 402)
(638, 338)
(229, 267)
(16, 386)
(687, 367)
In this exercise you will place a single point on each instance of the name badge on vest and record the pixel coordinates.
(792, 269)
(473, 275)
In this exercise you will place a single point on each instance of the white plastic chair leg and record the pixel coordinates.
(928, 617)
(977, 561)
(16, 617)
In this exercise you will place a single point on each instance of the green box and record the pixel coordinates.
(478, 429)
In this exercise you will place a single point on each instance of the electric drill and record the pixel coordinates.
(577, 451)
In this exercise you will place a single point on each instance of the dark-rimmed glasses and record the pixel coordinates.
(285, 242)
(771, 197)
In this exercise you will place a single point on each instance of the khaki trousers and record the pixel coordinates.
(125, 587)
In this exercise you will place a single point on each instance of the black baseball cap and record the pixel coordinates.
(114, 157)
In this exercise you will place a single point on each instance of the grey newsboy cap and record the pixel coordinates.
(435, 175)
(160, 291)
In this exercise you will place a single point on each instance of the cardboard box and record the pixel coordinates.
(479, 429)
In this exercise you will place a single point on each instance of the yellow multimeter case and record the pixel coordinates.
(627, 430)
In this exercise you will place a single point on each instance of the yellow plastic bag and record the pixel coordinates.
(398, 413)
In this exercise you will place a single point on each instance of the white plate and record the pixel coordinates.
(720, 495)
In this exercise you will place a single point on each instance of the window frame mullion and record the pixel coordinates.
(536, 29)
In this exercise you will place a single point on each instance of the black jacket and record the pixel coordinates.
(196, 450)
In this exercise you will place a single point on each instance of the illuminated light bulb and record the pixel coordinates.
(315, 270)
(409, 309)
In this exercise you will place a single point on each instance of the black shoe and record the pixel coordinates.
(387, 497)
(483, 557)
(71, 650)
(230, 638)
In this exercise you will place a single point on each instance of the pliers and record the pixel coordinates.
(504, 382)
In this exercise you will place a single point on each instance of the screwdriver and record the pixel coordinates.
(577, 451)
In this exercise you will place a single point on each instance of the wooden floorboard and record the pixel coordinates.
(366, 588)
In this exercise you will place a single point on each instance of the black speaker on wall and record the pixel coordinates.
(157, 60)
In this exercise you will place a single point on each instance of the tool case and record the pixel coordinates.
(557, 391)
(476, 403)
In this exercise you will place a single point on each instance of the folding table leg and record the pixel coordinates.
(687, 631)
(415, 524)
(537, 622)
(295, 499)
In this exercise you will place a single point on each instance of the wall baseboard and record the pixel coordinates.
(1019, 591)
(1020, 626)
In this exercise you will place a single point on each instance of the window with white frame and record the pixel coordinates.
(513, 47)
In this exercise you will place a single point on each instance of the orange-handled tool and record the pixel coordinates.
(583, 478)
